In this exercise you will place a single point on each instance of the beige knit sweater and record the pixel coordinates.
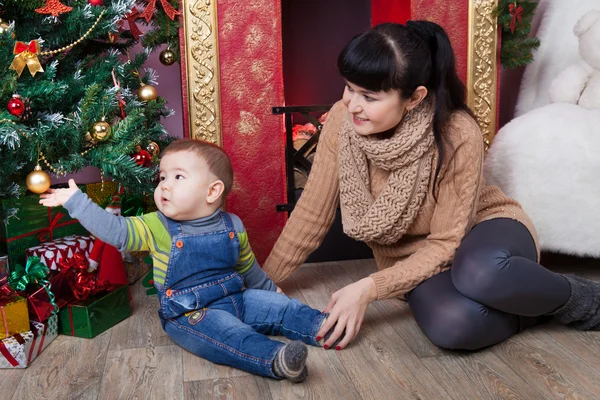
(429, 245)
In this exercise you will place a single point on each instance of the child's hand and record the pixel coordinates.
(58, 197)
(279, 290)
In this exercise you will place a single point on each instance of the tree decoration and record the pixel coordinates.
(101, 131)
(96, 3)
(147, 93)
(514, 16)
(54, 8)
(167, 57)
(4, 28)
(153, 149)
(133, 28)
(169, 10)
(16, 105)
(27, 55)
(38, 181)
(142, 157)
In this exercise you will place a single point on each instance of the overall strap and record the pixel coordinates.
(175, 228)
(228, 222)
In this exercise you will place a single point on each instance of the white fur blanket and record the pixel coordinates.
(553, 24)
(549, 161)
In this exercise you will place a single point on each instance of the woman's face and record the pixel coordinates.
(373, 112)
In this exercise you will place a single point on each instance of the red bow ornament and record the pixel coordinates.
(27, 55)
(516, 13)
(133, 28)
(169, 10)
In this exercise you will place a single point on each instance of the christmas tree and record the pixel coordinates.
(73, 95)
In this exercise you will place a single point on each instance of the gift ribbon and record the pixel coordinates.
(169, 10)
(26, 55)
(516, 13)
(5, 323)
(33, 272)
(6, 354)
(47, 233)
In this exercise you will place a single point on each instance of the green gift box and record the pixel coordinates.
(32, 225)
(90, 317)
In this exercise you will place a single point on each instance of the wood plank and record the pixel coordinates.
(142, 328)
(150, 373)
(396, 310)
(240, 388)
(197, 369)
(394, 371)
(548, 366)
(69, 368)
(586, 345)
(9, 380)
(479, 375)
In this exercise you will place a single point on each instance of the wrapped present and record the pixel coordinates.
(32, 281)
(137, 265)
(19, 350)
(14, 315)
(89, 318)
(51, 253)
(33, 224)
(3, 266)
(101, 192)
(40, 304)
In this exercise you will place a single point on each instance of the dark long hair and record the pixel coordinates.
(404, 57)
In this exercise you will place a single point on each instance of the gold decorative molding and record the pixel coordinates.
(482, 65)
(202, 69)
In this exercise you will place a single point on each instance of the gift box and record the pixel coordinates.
(101, 193)
(3, 266)
(33, 224)
(137, 264)
(18, 351)
(96, 314)
(14, 315)
(51, 253)
(38, 301)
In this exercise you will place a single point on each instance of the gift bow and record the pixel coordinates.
(169, 10)
(27, 55)
(46, 233)
(83, 283)
(34, 272)
(516, 13)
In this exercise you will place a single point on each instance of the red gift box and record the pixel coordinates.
(51, 253)
(40, 306)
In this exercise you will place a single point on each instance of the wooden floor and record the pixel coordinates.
(391, 359)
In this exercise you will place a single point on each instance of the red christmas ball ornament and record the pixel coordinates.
(96, 3)
(143, 158)
(16, 105)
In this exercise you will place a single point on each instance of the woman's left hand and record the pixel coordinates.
(347, 307)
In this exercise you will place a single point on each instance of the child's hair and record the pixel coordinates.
(218, 161)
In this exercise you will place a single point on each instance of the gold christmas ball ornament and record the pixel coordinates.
(147, 93)
(101, 131)
(153, 149)
(167, 57)
(38, 181)
(5, 27)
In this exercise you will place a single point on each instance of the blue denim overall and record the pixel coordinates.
(205, 309)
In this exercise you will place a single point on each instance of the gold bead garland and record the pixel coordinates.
(81, 39)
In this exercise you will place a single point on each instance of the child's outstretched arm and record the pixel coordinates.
(107, 227)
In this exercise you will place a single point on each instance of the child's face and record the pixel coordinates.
(184, 191)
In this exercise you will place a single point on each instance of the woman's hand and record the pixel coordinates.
(58, 197)
(347, 307)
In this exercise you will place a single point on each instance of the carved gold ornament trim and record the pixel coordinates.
(202, 69)
(482, 67)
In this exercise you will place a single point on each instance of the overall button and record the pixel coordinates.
(179, 244)
(169, 292)
(231, 235)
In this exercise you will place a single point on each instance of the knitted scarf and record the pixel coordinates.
(408, 154)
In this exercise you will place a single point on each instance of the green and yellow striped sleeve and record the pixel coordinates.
(246, 254)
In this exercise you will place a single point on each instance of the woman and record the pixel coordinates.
(402, 156)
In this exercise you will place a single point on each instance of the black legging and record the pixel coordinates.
(494, 289)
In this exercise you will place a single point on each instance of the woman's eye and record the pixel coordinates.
(369, 98)
(349, 88)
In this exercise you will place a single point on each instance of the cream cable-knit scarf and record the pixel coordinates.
(408, 154)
